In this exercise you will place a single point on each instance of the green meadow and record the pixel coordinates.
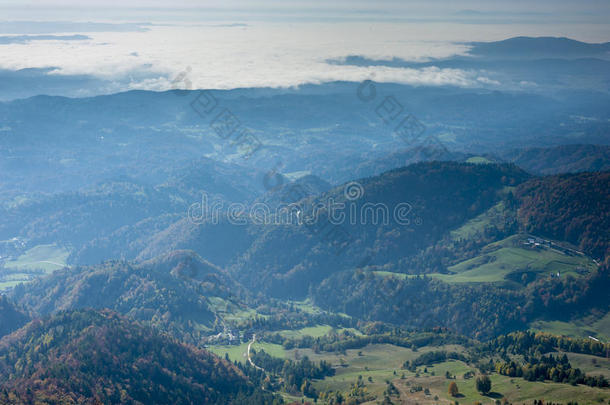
(41, 259)
(379, 363)
(239, 352)
(501, 259)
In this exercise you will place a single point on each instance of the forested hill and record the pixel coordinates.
(570, 207)
(10, 317)
(170, 292)
(439, 196)
(90, 357)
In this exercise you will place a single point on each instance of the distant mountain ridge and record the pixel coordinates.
(561, 159)
(540, 47)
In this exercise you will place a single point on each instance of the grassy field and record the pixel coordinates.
(45, 257)
(238, 353)
(232, 313)
(507, 257)
(38, 260)
(382, 362)
(10, 284)
(602, 325)
(378, 363)
(315, 331)
(596, 326)
(516, 390)
(590, 364)
(478, 160)
(496, 216)
(401, 276)
(572, 329)
(307, 306)
(503, 258)
(500, 259)
(236, 315)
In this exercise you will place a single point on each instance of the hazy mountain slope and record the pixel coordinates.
(283, 191)
(394, 160)
(109, 219)
(561, 159)
(285, 260)
(70, 144)
(219, 242)
(283, 257)
(76, 218)
(124, 243)
(92, 357)
(229, 182)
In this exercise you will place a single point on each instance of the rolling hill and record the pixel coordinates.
(171, 292)
(285, 260)
(569, 207)
(88, 357)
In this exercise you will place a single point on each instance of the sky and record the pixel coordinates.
(588, 10)
(159, 44)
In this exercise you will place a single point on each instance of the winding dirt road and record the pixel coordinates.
(249, 359)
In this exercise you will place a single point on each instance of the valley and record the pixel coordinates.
(376, 242)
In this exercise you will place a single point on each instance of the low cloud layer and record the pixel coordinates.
(232, 54)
